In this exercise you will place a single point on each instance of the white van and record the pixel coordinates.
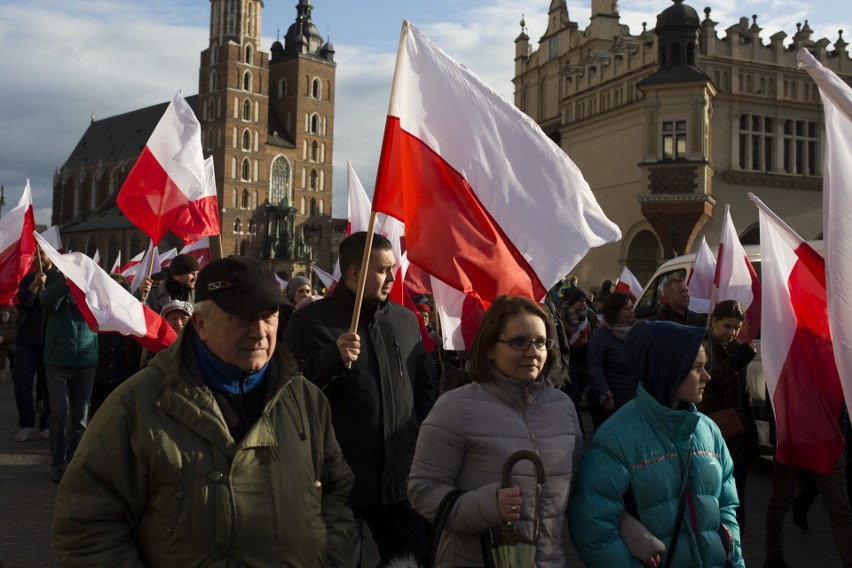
(652, 298)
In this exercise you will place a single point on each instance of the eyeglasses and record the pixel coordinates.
(523, 343)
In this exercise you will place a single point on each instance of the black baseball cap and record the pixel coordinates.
(240, 285)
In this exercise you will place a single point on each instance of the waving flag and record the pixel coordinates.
(327, 279)
(490, 204)
(167, 257)
(17, 246)
(796, 348)
(105, 304)
(359, 203)
(836, 209)
(200, 250)
(96, 257)
(116, 266)
(51, 235)
(700, 281)
(628, 283)
(170, 187)
(735, 278)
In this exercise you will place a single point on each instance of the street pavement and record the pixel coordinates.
(27, 496)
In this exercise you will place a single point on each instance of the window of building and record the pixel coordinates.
(801, 147)
(315, 124)
(247, 110)
(674, 140)
(314, 151)
(246, 170)
(235, 199)
(313, 207)
(251, 227)
(238, 225)
(246, 140)
(282, 88)
(313, 180)
(247, 81)
(279, 180)
(212, 82)
(757, 143)
(248, 52)
(244, 202)
(553, 47)
(316, 89)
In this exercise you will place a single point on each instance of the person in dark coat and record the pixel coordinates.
(178, 285)
(728, 388)
(379, 388)
(29, 347)
(612, 382)
(297, 289)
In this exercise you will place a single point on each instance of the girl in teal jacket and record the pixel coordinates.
(639, 460)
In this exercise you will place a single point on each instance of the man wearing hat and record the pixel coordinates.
(218, 453)
(298, 288)
(178, 285)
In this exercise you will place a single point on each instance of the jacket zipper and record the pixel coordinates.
(527, 400)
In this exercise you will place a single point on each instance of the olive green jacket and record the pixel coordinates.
(158, 480)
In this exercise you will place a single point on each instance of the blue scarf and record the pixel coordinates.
(222, 376)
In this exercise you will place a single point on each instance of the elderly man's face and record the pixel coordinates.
(246, 342)
(187, 280)
(678, 297)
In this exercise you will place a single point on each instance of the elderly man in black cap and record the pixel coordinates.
(178, 285)
(218, 453)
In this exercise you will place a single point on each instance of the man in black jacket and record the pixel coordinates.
(379, 388)
(676, 306)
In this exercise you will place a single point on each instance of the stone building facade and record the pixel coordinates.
(672, 124)
(267, 119)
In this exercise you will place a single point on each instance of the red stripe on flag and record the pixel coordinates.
(809, 386)
(198, 219)
(17, 259)
(448, 231)
(149, 198)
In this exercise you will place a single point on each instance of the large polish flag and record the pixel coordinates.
(836, 209)
(200, 250)
(169, 187)
(736, 278)
(105, 304)
(490, 204)
(17, 247)
(796, 348)
(629, 284)
(51, 234)
(357, 214)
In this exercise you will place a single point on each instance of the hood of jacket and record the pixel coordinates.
(662, 354)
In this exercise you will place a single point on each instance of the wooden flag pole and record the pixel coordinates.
(362, 277)
(144, 296)
(38, 256)
(221, 254)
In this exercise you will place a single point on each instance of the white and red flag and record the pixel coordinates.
(105, 304)
(836, 209)
(96, 257)
(170, 187)
(17, 246)
(116, 266)
(796, 348)
(629, 284)
(129, 269)
(735, 278)
(167, 257)
(200, 250)
(700, 281)
(327, 279)
(490, 204)
(51, 235)
(359, 203)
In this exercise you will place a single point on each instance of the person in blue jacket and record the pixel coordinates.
(650, 453)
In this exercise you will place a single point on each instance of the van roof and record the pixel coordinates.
(752, 252)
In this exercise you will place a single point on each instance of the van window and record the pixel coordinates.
(653, 296)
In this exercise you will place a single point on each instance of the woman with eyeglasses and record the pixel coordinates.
(472, 430)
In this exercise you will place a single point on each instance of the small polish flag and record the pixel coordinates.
(17, 246)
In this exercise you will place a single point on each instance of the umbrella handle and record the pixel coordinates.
(540, 475)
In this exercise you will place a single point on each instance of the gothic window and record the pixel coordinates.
(245, 200)
(248, 52)
(674, 140)
(313, 179)
(279, 181)
(214, 53)
(250, 26)
(212, 82)
(282, 88)
(247, 110)
(246, 171)
(246, 140)
(93, 196)
(232, 17)
(238, 225)
(247, 81)
(313, 207)
(757, 142)
(315, 124)
(316, 89)
(801, 147)
(314, 151)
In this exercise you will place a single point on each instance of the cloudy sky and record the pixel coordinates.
(65, 60)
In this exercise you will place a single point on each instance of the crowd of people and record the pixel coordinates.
(273, 429)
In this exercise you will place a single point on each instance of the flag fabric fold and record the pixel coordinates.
(490, 204)
(736, 279)
(171, 187)
(701, 276)
(105, 304)
(629, 284)
(836, 209)
(17, 246)
(200, 250)
(51, 235)
(796, 348)
(116, 266)
(327, 279)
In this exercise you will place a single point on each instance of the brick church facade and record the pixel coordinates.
(267, 119)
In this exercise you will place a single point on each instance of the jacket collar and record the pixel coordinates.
(674, 424)
(513, 392)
